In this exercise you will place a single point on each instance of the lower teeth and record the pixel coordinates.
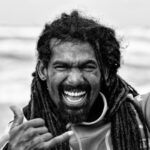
(74, 100)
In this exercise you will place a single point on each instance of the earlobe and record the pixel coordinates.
(106, 74)
(42, 71)
(105, 78)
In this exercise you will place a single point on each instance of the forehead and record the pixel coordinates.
(74, 50)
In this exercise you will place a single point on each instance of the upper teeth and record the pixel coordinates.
(75, 93)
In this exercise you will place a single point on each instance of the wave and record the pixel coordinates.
(18, 57)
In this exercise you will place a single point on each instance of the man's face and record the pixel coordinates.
(73, 79)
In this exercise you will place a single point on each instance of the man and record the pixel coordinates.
(76, 88)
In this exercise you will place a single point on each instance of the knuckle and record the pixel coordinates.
(32, 132)
(41, 120)
(45, 129)
(54, 141)
(31, 129)
(37, 141)
(13, 133)
(41, 146)
(48, 135)
(23, 126)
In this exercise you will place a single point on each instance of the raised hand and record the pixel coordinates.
(28, 135)
(32, 134)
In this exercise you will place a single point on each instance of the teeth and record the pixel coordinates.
(74, 97)
(74, 100)
(81, 93)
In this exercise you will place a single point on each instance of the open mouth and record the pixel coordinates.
(74, 98)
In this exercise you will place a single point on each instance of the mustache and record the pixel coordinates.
(80, 87)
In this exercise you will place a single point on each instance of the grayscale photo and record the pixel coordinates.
(75, 75)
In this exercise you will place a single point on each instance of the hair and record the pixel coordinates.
(125, 130)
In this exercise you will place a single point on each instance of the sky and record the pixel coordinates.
(120, 13)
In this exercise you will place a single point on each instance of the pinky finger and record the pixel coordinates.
(37, 141)
(56, 140)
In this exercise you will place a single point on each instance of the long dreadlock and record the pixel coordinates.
(124, 125)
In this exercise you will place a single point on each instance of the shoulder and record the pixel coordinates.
(144, 103)
(143, 100)
(143, 97)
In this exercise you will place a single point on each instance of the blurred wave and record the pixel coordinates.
(136, 58)
(18, 58)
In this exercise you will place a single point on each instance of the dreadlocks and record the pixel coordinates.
(124, 126)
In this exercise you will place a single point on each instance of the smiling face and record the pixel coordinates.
(73, 78)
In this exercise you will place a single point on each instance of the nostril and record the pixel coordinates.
(75, 77)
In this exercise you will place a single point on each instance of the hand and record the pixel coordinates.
(32, 134)
(28, 135)
(56, 140)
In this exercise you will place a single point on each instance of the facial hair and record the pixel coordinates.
(74, 114)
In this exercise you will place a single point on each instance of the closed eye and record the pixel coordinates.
(60, 66)
(89, 67)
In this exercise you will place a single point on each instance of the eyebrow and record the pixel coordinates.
(80, 63)
(89, 62)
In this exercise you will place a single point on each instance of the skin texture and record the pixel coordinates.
(32, 134)
(73, 65)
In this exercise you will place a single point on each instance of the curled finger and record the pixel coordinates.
(39, 140)
(56, 140)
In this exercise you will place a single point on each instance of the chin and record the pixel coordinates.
(74, 103)
(74, 115)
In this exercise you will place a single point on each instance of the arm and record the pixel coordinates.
(31, 134)
(26, 135)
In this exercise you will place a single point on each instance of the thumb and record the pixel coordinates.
(18, 116)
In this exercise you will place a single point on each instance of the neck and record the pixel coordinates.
(96, 109)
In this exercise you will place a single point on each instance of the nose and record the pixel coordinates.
(75, 77)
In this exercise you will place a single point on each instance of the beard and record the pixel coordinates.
(74, 114)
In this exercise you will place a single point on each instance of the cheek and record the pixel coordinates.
(95, 85)
(52, 84)
(94, 79)
(54, 79)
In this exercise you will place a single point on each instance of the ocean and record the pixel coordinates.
(18, 59)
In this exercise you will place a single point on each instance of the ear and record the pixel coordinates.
(106, 75)
(42, 70)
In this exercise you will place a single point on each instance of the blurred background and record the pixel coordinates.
(21, 22)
